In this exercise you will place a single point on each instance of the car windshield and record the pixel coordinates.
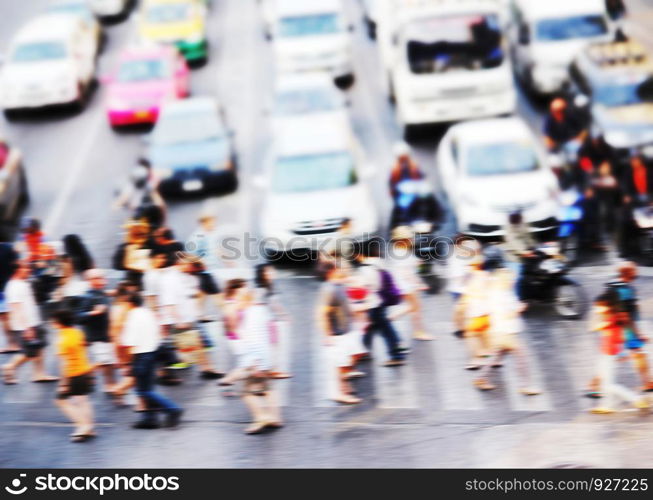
(306, 173)
(143, 70)
(303, 101)
(454, 43)
(168, 13)
(188, 127)
(501, 158)
(569, 28)
(624, 94)
(42, 51)
(318, 24)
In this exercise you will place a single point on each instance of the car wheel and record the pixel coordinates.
(570, 301)
(345, 82)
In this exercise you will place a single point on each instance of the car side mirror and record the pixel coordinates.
(524, 35)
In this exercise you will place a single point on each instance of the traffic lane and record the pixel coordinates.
(13, 15)
(205, 81)
(74, 163)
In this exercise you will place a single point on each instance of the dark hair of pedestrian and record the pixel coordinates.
(144, 162)
(64, 317)
(325, 268)
(123, 289)
(261, 280)
(232, 286)
(609, 298)
(78, 253)
(135, 299)
(515, 218)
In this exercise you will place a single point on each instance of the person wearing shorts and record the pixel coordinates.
(335, 318)
(76, 377)
(25, 324)
(94, 316)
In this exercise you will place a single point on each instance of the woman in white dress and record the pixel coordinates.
(404, 266)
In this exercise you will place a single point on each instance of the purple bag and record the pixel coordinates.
(390, 295)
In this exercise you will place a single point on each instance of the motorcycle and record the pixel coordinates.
(417, 208)
(545, 280)
(570, 218)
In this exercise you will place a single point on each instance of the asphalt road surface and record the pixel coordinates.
(425, 414)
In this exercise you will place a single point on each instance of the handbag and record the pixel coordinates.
(189, 345)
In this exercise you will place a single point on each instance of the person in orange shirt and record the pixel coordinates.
(76, 376)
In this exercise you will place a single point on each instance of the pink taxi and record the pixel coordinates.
(142, 80)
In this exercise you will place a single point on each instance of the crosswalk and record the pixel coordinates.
(560, 356)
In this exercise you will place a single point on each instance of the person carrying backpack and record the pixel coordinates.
(383, 294)
(634, 339)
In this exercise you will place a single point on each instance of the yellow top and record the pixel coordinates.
(72, 349)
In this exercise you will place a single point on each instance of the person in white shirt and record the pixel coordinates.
(404, 266)
(256, 362)
(458, 270)
(25, 324)
(179, 298)
(142, 335)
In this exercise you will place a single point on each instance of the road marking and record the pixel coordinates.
(456, 385)
(324, 376)
(512, 381)
(396, 387)
(74, 175)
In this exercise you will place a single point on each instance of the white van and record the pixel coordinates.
(445, 60)
(547, 34)
(50, 61)
(310, 36)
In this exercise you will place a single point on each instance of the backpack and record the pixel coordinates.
(623, 296)
(389, 293)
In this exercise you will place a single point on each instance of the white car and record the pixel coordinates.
(310, 36)
(492, 168)
(299, 96)
(51, 61)
(110, 9)
(314, 180)
(79, 9)
(546, 35)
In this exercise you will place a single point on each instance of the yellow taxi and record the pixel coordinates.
(178, 22)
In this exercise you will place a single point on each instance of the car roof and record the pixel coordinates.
(190, 104)
(609, 60)
(47, 27)
(491, 131)
(538, 9)
(289, 81)
(305, 7)
(316, 134)
(146, 51)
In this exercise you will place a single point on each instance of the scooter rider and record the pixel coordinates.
(562, 125)
(403, 169)
(637, 181)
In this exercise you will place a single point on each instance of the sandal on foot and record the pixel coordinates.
(527, 391)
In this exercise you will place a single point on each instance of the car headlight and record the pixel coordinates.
(617, 139)
(222, 165)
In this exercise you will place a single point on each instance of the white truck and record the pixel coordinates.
(445, 60)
